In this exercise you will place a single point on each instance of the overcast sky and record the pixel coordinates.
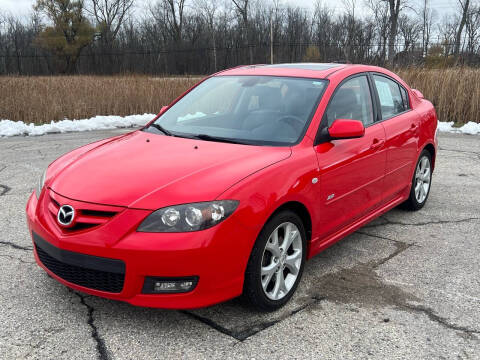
(443, 7)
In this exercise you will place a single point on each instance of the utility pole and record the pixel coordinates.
(214, 49)
(424, 52)
(271, 39)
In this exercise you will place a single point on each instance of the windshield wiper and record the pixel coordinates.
(200, 136)
(162, 129)
(219, 139)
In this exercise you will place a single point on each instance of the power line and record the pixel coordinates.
(277, 45)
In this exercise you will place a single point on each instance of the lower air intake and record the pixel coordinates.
(85, 270)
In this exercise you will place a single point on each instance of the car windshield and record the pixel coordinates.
(257, 110)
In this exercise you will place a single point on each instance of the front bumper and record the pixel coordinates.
(217, 256)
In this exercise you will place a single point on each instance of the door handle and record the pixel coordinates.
(413, 126)
(377, 144)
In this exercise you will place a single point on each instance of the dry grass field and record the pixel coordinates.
(43, 99)
(455, 93)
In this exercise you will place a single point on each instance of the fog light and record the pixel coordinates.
(154, 285)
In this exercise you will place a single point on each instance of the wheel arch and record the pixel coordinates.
(301, 210)
(431, 149)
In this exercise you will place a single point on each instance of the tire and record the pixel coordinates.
(269, 263)
(415, 201)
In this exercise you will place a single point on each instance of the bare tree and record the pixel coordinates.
(17, 35)
(350, 7)
(428, 16)
(322, 24)
(380, 12)
(109, 15)
(473, 29)
(410, 30)
(447, 30)
(464, 6)
(208, 9)
(394, 12)
(172, 13)
(243, 9)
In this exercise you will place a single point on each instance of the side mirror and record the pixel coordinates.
(162, 110)
(346, 129)
(418, 94)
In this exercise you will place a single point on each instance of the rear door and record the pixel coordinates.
(352, 170)
(401, 132)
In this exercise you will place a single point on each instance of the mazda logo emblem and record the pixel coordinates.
(66, 215)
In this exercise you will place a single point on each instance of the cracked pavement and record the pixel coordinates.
(406, 286)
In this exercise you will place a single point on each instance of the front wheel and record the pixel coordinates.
(276, 262)
(421, 182)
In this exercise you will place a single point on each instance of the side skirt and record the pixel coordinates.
(319, 245)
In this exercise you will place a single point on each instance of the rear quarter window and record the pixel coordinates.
(406, 100)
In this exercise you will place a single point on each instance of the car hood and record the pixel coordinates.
(149, 171)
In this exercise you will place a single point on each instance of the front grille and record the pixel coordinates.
(97, 213)
(86, 217)
(85, 270)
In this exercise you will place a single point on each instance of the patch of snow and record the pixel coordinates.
(445, 126)
(470, 128)
(13, 128)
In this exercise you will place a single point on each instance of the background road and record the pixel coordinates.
(404, 286)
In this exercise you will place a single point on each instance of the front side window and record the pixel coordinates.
(258, 110)
(391, 100)
(352, 101)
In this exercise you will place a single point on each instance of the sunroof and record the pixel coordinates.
(304, 66)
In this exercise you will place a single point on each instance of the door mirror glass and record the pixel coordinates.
(346, 129)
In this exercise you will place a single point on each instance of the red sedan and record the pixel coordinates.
(231, 188)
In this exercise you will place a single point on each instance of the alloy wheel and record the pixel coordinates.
(423, 176)
(281, 261)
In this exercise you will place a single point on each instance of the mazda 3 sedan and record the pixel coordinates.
(233, 186)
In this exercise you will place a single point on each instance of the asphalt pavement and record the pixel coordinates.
(406, 286)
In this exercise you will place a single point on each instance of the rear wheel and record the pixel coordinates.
(421, 182)
(276, 262)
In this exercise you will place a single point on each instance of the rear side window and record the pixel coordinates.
(352, 101)
(392, 101)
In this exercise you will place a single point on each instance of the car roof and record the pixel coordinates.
(306, 70)
(304, 66)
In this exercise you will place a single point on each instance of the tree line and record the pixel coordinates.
(204, 36)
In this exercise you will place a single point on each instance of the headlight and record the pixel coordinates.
(188, 217)
(40, 184)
